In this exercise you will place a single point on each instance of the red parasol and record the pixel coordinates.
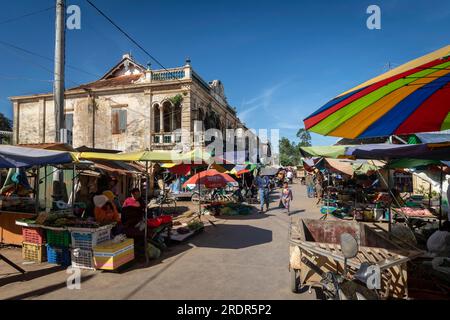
(210, 179)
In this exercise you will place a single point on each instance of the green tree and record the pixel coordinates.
(289, 153)
(5, 123)
(305, 137)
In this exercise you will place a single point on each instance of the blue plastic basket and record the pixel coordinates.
(59, 256)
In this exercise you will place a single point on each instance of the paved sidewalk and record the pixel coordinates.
(241, 258)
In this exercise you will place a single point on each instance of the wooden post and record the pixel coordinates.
(36, 190)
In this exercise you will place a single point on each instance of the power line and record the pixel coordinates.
(126, 35)
(26, 15)
(23, 78)
(44, 57)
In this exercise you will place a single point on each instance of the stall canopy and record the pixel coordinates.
(391, 151)
(21, 157)
(195, 156)
(437, 151)
(269, 171)
(333, 152)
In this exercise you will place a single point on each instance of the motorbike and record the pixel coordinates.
(343, 286)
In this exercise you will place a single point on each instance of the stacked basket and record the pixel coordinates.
(33, 246)
(83, 243)
(58, 244)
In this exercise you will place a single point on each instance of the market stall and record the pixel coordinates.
(18, 199)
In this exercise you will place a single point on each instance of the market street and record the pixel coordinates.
(244, 257)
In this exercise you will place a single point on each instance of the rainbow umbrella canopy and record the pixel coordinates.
(414, 97)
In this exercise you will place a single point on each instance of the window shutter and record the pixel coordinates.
(123, 121)
(69, 121)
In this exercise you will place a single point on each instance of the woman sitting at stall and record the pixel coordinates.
(135, 200)
(105, 211)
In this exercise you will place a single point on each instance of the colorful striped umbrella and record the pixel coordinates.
(414, 97)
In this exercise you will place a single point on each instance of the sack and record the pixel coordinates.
(153, 252)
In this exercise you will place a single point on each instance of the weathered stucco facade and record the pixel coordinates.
(130, 108)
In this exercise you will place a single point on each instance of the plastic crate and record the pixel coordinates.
(58, 238)
(34, 252)
(87, 240)
(33, 235)
(57, 255)
(82, 259)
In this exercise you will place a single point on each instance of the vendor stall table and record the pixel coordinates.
(10, 232)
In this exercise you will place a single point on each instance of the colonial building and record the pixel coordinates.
(130, 108)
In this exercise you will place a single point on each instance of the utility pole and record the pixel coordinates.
(59, 69)
(58, 93)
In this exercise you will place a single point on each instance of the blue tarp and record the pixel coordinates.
(20, 157)
(402, 151)
(434, 137)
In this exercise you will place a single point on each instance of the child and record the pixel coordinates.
(286, 196)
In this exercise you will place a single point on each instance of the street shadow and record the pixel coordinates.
(232, 237)
(30, 275)
(255, 215)
(46, 290)
(175, 211)
(292, 213)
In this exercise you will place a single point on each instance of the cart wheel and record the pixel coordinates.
(295, 280)
(195, 198)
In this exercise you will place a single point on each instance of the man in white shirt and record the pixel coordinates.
(290, 176)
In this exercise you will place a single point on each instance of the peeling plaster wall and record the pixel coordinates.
(36, 119)
(29, 122)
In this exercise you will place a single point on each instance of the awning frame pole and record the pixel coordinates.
(147, 259)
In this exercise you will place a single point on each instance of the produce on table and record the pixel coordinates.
(195, 225)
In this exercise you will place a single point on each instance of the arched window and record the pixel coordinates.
(167, 109)
(156, 118)
(177, 117)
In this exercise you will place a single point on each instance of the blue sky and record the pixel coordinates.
(279, 60)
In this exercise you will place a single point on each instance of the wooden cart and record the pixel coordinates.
(318, 241)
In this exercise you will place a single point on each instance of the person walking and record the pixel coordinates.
(309, 181)
(262, 183)
(286, 196)
(290, 176)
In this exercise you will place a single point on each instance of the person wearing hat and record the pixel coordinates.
(105, 211)
(112, 197)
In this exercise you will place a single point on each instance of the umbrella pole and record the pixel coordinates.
(390, 204)
(440, 197)
(146, 215)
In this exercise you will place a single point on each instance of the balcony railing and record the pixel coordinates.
(168, 75)
(166, 138)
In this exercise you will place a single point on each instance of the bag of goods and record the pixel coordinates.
(153, 252)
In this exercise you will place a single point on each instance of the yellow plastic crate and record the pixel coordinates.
(34, 252)
(110, 256)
